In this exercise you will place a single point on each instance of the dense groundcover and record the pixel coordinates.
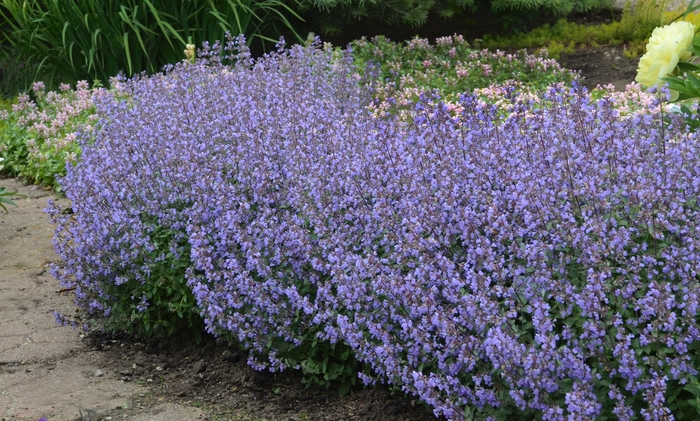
(541, 264)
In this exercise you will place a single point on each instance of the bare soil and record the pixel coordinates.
(45, 369)
(605, 65)
(50, 371)
(216, 378)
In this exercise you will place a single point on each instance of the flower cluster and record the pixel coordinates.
(630, 102)
(40, 136)
(544, 262)
(451, 67)
(667, 46)
(160, 142)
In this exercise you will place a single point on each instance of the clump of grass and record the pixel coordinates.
(68, 40)
(16, 74)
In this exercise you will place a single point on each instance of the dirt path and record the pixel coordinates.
(46, 370)
(54, 372)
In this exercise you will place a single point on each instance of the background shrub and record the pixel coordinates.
(38, 137)
(331, 17)
(560, 37)
(633, 29)
(450, 67)
(71, 40)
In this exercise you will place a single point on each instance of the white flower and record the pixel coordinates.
(189, 52)
(667, 46)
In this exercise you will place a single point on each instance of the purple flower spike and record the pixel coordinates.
(545, 261)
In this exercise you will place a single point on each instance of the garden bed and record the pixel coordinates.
(332, 228)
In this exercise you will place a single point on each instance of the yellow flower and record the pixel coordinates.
(678, 36)
(667, 46)
(655, 64)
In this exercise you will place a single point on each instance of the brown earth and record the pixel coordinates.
(58, 373)
(602, 66)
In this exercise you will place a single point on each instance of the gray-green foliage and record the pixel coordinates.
(74, 40)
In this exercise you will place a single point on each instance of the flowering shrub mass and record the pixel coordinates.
(541, 265)
(155, 155)
(451, 67)
(40, 136)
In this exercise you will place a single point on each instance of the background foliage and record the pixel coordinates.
(72, 40)
(330, 17)
(38, 136)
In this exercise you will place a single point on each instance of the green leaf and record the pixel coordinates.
(675, 83)
(344, 389)
(693, 84)
(693, 388)
(688, 67)
(690, 9)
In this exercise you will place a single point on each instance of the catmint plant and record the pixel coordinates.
(535, 264)
(168, 146)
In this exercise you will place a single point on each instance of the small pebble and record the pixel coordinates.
(99, 373)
